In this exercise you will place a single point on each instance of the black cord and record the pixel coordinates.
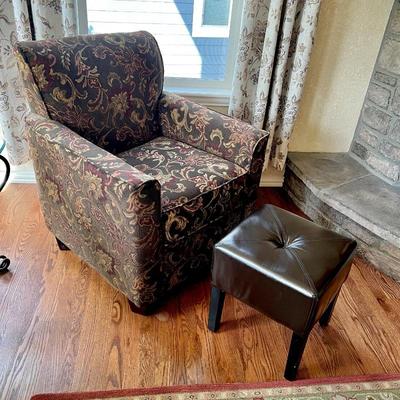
(4, 264)
(4, 261)
(7, 175)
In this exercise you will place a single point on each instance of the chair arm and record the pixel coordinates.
(208, 130)
(102, 208)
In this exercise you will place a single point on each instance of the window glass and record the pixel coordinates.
(216, 12)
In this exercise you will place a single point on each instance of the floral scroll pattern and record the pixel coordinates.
(146, 217)
(208, 130)
(183, 171)
(100, 207)
(274, 52)
(106, 89)
(52, 18)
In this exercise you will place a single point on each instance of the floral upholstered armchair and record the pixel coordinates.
(139, 183)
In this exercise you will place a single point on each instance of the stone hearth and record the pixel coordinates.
(358, 192)
(336, 191)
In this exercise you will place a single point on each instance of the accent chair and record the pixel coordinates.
(137, 182)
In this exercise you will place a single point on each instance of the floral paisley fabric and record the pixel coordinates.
(183, 171)
(197, 188)
(147, 217)
(209, 208)
(104, 87)
(276, 40)
(191, 256)
(102, 208)
(208, 130)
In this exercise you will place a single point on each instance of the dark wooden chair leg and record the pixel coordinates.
(61, 245)
(216, 306)
(327, 315)
(146, 311)
(297, 346)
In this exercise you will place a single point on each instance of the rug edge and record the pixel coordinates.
(214, 386)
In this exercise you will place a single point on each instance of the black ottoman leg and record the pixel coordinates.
(216, 306)
(327, 315)
(61, 245)
(297, 346)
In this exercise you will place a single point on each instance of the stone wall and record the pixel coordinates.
(376, 141)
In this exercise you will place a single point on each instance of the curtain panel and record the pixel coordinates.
(50, 19)
(276, 40)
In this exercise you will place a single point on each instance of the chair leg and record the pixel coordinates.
(327, 315)
(145, 311)
(297, 346)
(61, 245)
(216, 306)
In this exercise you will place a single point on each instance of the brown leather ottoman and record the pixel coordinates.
(284, 266)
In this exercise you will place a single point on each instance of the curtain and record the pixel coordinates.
(276, 39)
(50, 19)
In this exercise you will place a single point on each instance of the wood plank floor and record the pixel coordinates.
(62, 328)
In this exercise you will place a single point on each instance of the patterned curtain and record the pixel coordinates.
(274, 52)
(51, 18)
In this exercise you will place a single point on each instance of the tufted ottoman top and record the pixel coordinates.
(283, 265)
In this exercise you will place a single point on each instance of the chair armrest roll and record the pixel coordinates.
(208, 130)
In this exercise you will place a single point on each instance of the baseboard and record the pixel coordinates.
(271, 177)
(22, 174)
(25, 174)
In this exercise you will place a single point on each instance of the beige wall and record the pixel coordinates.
(346, 46)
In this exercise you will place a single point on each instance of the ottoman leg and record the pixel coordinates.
(61, 245)
(297, 346)
(216, 306)
(327, 315)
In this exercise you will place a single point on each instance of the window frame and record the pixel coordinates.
(207, 92)
(211, 31)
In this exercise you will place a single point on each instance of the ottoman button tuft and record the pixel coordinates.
(280, 243)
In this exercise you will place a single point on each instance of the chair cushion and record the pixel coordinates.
(283, 265)
(105, 87)
(196, 187)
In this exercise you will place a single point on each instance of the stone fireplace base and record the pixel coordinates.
(336, 191)
(376, 142)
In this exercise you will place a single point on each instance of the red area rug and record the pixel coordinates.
(374, 387)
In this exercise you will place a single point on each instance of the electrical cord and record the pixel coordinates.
(7, 175)
(4, 263)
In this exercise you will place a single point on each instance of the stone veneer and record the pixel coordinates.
(339, 193)
(376, 142)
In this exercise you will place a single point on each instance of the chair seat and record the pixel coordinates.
(196, 186)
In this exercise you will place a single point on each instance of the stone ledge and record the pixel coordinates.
(336, 191)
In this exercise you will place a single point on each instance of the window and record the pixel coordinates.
(211, 18)
(198, 38)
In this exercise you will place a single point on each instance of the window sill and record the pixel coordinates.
(205, 97)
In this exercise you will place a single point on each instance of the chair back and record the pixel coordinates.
(104, 87)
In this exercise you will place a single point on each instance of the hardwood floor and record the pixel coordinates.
(63, 328)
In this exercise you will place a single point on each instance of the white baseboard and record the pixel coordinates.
(24, 174)
(271, 177)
